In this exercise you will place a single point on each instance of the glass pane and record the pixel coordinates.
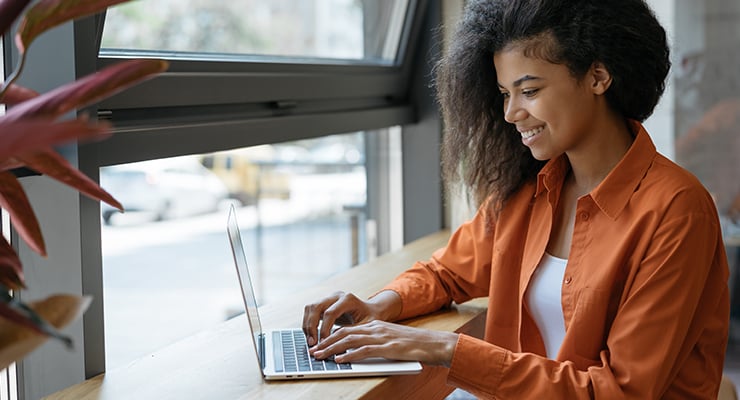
(367, 30)
(707, 119)
(167, 265)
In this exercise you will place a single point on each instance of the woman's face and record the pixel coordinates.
(553, 111)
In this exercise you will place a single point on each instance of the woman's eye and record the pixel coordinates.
(505, 95)
(530, 92)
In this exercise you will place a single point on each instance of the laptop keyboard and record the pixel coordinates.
(293, 355)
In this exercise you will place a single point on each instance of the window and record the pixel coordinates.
(210, 102)
(365, 30)
(167, 266)
(707, 119)
(330, 55)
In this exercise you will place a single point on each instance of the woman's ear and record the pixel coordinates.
(601, 79)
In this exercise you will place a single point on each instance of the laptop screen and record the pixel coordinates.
(250, 301)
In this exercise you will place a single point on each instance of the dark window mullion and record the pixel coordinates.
(170, 90)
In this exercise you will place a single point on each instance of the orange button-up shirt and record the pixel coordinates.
(645, 295)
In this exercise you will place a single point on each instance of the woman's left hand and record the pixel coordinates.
(387, 340)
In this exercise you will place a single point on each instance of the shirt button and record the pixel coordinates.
(584, 216)
(568, 280)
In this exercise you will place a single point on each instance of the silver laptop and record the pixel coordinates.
(283, 354)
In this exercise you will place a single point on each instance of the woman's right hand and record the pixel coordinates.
(347, 309)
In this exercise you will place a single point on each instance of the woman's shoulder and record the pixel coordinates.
(674, 187)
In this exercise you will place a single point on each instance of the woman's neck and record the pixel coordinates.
(593, 161)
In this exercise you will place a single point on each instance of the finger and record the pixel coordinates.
(337, 343)
(355, 338)
(312, 314)
(361, 353)
(310, 323)
(330, 316)
(341, 313)
(355, 348)
(345, 319)
(351, 336)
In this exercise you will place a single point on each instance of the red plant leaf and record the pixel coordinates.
(11, 272)
(27, 136)
(15, 94)
(9, 164)
(13, 199)
(9, 11)
(14, 316)
(50, 163)
(54, 312)
(47, 14)
(87, 90)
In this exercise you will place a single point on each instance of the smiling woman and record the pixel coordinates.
(578, 215)
(533, 91)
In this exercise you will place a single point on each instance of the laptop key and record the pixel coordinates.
(317, 365)
(277, 348)
(304, 366)
(339, 365)
(331, 365)
(291, 364)
(301, 349)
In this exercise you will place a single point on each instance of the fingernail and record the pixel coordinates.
(311, 341)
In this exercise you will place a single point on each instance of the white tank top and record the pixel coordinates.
(545, 304)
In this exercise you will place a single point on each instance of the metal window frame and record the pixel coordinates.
(158, 119)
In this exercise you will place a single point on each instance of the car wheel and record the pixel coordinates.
(107, 217)
(164, 211)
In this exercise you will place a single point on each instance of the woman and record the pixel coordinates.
(602, 260)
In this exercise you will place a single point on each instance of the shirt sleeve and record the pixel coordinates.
(458, 272)
(509, 375)
(676, 295)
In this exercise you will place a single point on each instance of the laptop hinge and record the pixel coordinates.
(263, 355)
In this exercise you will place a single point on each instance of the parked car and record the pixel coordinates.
(166, 188)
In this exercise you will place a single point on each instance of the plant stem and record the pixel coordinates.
(14, 76)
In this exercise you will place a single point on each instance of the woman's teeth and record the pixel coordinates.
(530, 133)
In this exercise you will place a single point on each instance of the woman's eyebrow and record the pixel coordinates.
(521, 80)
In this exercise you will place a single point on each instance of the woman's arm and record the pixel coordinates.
(667, 339)
(458, 272)
(388, 340)
(347, 309)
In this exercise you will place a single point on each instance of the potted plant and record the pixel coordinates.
(28, 131)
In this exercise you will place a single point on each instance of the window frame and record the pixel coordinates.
(195, 81)
(197, 97)
(151, 126)
(288, 102)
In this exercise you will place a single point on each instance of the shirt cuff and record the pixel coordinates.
(403, 289)
(477, 366)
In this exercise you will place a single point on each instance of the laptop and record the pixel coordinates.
(283, 354)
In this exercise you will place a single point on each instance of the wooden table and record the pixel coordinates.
(220, 363)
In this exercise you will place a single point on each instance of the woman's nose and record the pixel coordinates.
(513, 112)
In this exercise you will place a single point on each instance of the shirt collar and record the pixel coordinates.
(552, 175)
(613, 193)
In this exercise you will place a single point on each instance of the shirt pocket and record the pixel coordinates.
(591, 323)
